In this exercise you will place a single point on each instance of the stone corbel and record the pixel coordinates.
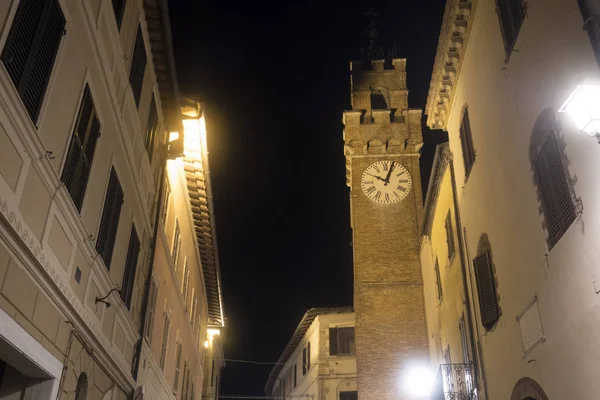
(375, 146)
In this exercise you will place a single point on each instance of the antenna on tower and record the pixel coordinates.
(371, 50)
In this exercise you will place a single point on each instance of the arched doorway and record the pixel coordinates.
(528, 389)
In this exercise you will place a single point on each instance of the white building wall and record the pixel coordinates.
(551, 55)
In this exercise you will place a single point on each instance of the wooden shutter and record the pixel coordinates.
(466, 141)
(304, 361)
(557, 203)
(110, 219)
(165, 340)
(138, 66)
(177, 367)
(80, 154)
(486, 287)
(130, 267)
(118, 8)
(151, 311)
(295, 375)
(438, 280)
(151, 129)
(308, 356)
(449, 236)
(31, 49)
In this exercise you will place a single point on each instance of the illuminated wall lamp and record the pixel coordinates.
(583, 107)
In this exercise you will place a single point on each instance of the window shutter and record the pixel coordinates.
(557, 204)
(138, 66)
(151, 311)
(438, 280)
(488, 301)
(308, 356)
(333, 341)
(295, 375)
(177, 367)
(31, 49)
(466, 141)
(110, 219)
(151, 129)
(80, 155)
(118, 8)
(449, 236)
(304, 361)
(463, 339)
(130, 268)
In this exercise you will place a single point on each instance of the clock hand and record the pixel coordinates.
(377, 177)
(387, 178)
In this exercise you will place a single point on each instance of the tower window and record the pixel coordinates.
(511, 14)
(378, 101)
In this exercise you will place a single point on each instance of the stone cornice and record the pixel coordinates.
(456, 25)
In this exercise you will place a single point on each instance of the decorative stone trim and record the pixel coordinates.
(454, 35)
(441, 160)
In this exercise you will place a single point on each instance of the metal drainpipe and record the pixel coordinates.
(463, 267)
(138, 349)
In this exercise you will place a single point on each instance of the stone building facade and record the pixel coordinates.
(319, 361)
(382, 139)
(87, 94)
(526, 196)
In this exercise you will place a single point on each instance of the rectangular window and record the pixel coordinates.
(463, 339)
(176, 244)
(177, 367)
(31, 48)
(194, 309)
(80, 154)
(449, 236)
(138, 66)
(308, 356)
(341, 341)
(151, 129)
(165, 340)
(304, 361)
(486, 288)
(348, 395)
(438, 280)
(186, 281)
(118, 8)
(109, 222)
(130, 268)
(295, 375)
(151, 310)
(511, 14)
(165, 203)
(466, 141)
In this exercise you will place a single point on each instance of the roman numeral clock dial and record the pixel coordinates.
(386, 182)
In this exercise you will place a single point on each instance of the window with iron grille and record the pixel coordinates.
(151, 310)
(165, 340)
(118, 8)
(151, 129)
(466, 141)
(31, 48)
(486, 290)
(341, 341)
(449, 236)
(138, 66)
(511, 14)
(80, 155)
(553, 189)
(130, 268)
(177, 367)
(109, 222)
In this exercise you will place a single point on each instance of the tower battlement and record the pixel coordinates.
(379, 85)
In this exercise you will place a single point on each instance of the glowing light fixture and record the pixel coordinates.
(194, 139)
(583, 106)
(211, 332)
(419, 381)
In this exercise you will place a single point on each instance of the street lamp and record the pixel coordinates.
(583, 106)
(418, 381)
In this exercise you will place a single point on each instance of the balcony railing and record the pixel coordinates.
(455, 382)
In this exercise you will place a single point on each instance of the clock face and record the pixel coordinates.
(386, 182)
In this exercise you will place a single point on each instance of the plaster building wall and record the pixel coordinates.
(505, 97)
(51, 270)
(326, 375)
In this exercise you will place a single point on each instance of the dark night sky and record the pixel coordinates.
(275, 81)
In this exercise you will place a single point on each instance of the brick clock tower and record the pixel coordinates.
(382, 139)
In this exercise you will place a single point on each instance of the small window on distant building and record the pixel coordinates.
(349, 395)
(511, 14)
(341, 341)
